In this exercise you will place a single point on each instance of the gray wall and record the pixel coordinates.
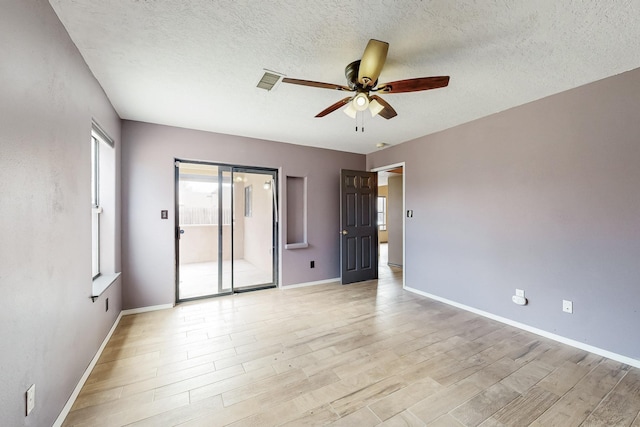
(49, 328)
(148, 187)
(544, 197)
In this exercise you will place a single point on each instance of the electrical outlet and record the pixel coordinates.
(106, 305)
(312, 264)
(31, 398)
(567, 306)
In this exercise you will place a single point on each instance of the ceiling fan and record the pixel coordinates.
(362, 78)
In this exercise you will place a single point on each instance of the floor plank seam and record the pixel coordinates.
(604, 398)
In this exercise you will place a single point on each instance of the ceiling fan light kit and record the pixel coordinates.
(375, 107)
(362, 78)
(350, 111)
(360, 101)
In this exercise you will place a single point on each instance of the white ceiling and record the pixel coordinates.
(196, 63)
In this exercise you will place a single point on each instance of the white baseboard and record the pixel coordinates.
(87, 372)
(145, 309)
(568, 341)
(319, 282)
(83, 379)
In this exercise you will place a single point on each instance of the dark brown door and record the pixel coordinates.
(359, 234)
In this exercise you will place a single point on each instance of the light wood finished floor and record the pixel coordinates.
(359, 355)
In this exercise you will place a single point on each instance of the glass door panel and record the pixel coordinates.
(200, 216)
(254, 229)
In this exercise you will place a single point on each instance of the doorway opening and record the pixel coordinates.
(226, 229)
(391, 221)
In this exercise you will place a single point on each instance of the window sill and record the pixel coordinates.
(296, 245)
(101, 283)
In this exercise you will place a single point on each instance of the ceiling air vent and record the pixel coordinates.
(269, 80)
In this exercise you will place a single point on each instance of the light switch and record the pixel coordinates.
(164, 214)
(31, 398)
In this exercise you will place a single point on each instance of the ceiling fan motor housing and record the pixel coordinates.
(351, 73)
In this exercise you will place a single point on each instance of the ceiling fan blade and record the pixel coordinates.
(387, 112)
(316, 84)
(373, 58)
(414, 85)
(334, 107)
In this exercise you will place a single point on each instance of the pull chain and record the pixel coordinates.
(361, 115)
(358, 114)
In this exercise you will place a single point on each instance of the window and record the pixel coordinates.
(103, 211)
(382, 213)
(96, 210)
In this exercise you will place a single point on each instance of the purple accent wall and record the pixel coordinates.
(544, 197)
(49, 328)
(148, 186)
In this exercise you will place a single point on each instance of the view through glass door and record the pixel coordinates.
(254, 231)
(225, 229)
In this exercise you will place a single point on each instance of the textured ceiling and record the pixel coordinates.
(196, 63)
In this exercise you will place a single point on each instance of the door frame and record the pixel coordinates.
(404, 213)
(276, 238)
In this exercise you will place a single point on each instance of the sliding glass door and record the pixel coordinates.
(226, 228)
(254, 229)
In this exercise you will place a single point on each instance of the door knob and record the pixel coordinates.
(345, 232)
